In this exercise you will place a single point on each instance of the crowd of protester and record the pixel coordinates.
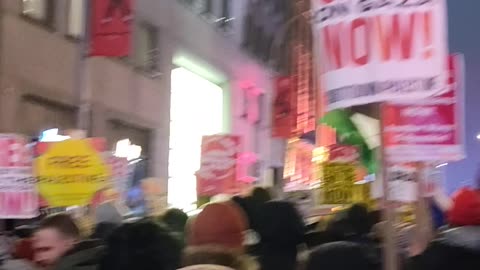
(243, 233)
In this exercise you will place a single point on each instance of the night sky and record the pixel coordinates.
(464, 38)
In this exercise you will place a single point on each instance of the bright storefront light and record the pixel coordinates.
(196, 110)
(125, 149)
(51, 135)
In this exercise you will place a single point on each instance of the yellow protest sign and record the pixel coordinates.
(70, 173)
(338, 181)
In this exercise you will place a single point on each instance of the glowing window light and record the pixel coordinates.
(125, 149)
(196, 110)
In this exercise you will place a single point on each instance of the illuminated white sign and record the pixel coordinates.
(51, 135)
(126, 149)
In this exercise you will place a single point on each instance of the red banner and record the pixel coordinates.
(284, 108)
(111, 23)
(218, 168)
(428, 129)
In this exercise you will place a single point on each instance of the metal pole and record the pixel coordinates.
(390, 258)
(81, 89)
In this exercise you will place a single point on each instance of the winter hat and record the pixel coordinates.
(107, 213)
(466, 208)
(220, 224)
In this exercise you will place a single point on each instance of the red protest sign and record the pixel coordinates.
(111, 23)
(18, 194)
(428, 129)
(218, 168)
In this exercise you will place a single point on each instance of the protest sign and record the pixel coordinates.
(71, 172)
(338, 181)
(428, 129)
(218, 168)
(120, 173)
(374, 51)
(155, 199)
(401, 183)
(433, 181)
(18, 194)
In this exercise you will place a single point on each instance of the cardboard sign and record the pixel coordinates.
(18, 193)
(374, 51)
(428, 129)
(70, 172)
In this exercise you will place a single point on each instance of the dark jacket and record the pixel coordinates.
(281, 230)
(457, 249)
(341, 256)
(84, 256)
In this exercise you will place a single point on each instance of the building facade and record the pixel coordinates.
(186, 77)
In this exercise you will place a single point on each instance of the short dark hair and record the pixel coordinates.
(175, 219)
(261, 195)
(143, 245)
(63, 223)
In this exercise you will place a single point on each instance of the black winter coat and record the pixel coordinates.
(342, 255)
(457, 249)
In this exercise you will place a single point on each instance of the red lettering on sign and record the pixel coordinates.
(396, 35)
(333, 51)
(360, 28)
(381, 38)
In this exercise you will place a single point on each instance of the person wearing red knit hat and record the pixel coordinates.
(217, 233)
(466, 209)
(459, 247)
(221, 224)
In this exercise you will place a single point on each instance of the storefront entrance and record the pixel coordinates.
(197, 109)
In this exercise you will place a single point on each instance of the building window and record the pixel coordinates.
(76, 22)
(147, 48)
(40, 10)
(205, 6)
(226, 14)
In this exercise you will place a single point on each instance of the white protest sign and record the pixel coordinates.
(377, 50)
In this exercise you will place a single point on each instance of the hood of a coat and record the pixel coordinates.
(467, 237)
(85, 256)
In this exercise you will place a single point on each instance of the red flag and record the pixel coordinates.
(111, 23)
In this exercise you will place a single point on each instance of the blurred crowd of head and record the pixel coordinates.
(252, 232)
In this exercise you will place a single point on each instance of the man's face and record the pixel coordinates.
(49, 246)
